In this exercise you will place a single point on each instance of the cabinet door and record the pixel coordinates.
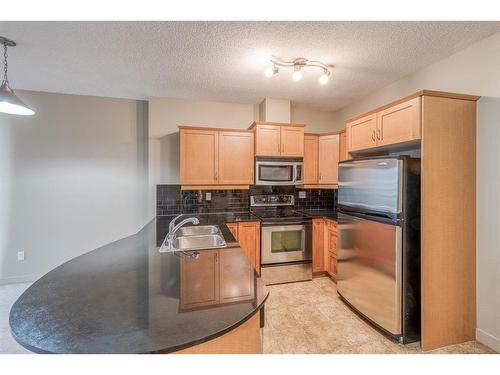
(249, 240)
(310, 159)
(332, 265)
(318, 242)
(233, 228)
(199, 157)
(267, 140)
(343, 155)
(328, 159)
(236, 158)
(199, 280)
(400, 123)
(361, 133)
(332, 241)
(292, 141)
(236, 277)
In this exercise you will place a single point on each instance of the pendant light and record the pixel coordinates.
(9, 102)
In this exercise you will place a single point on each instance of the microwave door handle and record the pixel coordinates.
(294, 173)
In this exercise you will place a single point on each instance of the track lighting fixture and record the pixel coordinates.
(298, 64)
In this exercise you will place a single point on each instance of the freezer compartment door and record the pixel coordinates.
(369, 269)
(371, 185)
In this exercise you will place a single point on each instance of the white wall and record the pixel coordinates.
(316, 120)
(488, 222)
(72, 177)
(474, 70)
(166, 114)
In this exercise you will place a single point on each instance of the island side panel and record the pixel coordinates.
(244, 339)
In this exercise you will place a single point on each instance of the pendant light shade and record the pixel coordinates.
(9, 102)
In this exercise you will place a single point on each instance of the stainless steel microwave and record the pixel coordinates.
(279, 171)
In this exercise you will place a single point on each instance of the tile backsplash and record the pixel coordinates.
(170, 199)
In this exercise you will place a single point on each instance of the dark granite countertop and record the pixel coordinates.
(126, 297)
(315, 213)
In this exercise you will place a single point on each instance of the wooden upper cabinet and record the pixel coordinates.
(399, 123)
(310, 159)
(236, 158)
(199, 157)
(362, 133)
(211, 157)
(328, 159)
(279, 139)
(268, 140)
(343, 154)
(394, 124)
(292, 141)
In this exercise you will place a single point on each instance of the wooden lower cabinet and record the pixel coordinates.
(331, 247)
(217, 277)
(318, 246)
(332, 265)
(233, 228)
(200, 279)
(247, 233)
(324, 252)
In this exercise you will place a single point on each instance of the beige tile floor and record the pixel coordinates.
(309, 317)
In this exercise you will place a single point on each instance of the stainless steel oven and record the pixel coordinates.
(286, 239)
(286, 242)
(279, 171)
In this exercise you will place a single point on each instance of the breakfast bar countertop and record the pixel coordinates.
(127, 297)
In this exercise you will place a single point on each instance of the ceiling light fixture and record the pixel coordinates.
(271, 71)
(298, 64)
(9, 102)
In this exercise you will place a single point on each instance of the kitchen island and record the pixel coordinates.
(126, 297)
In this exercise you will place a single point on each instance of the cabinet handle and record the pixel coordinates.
(378, 134)
(373, 135)
(216, 257)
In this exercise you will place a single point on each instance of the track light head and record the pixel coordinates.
(324, 78)
(297, 73)
(271, 71)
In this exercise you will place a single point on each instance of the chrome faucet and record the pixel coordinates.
(173, 228)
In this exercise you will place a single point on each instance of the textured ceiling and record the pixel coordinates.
(224, 61)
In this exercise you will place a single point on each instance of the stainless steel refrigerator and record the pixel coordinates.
(379, 242)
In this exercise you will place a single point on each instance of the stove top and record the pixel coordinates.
(276, 208)
(279, 214)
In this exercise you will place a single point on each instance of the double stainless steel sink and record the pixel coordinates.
(191, 238)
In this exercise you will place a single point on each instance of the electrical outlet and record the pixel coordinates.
(208, 196)
(20, 255)
(302, 194)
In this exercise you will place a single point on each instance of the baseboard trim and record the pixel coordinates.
(20, 279)
(488, 339)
